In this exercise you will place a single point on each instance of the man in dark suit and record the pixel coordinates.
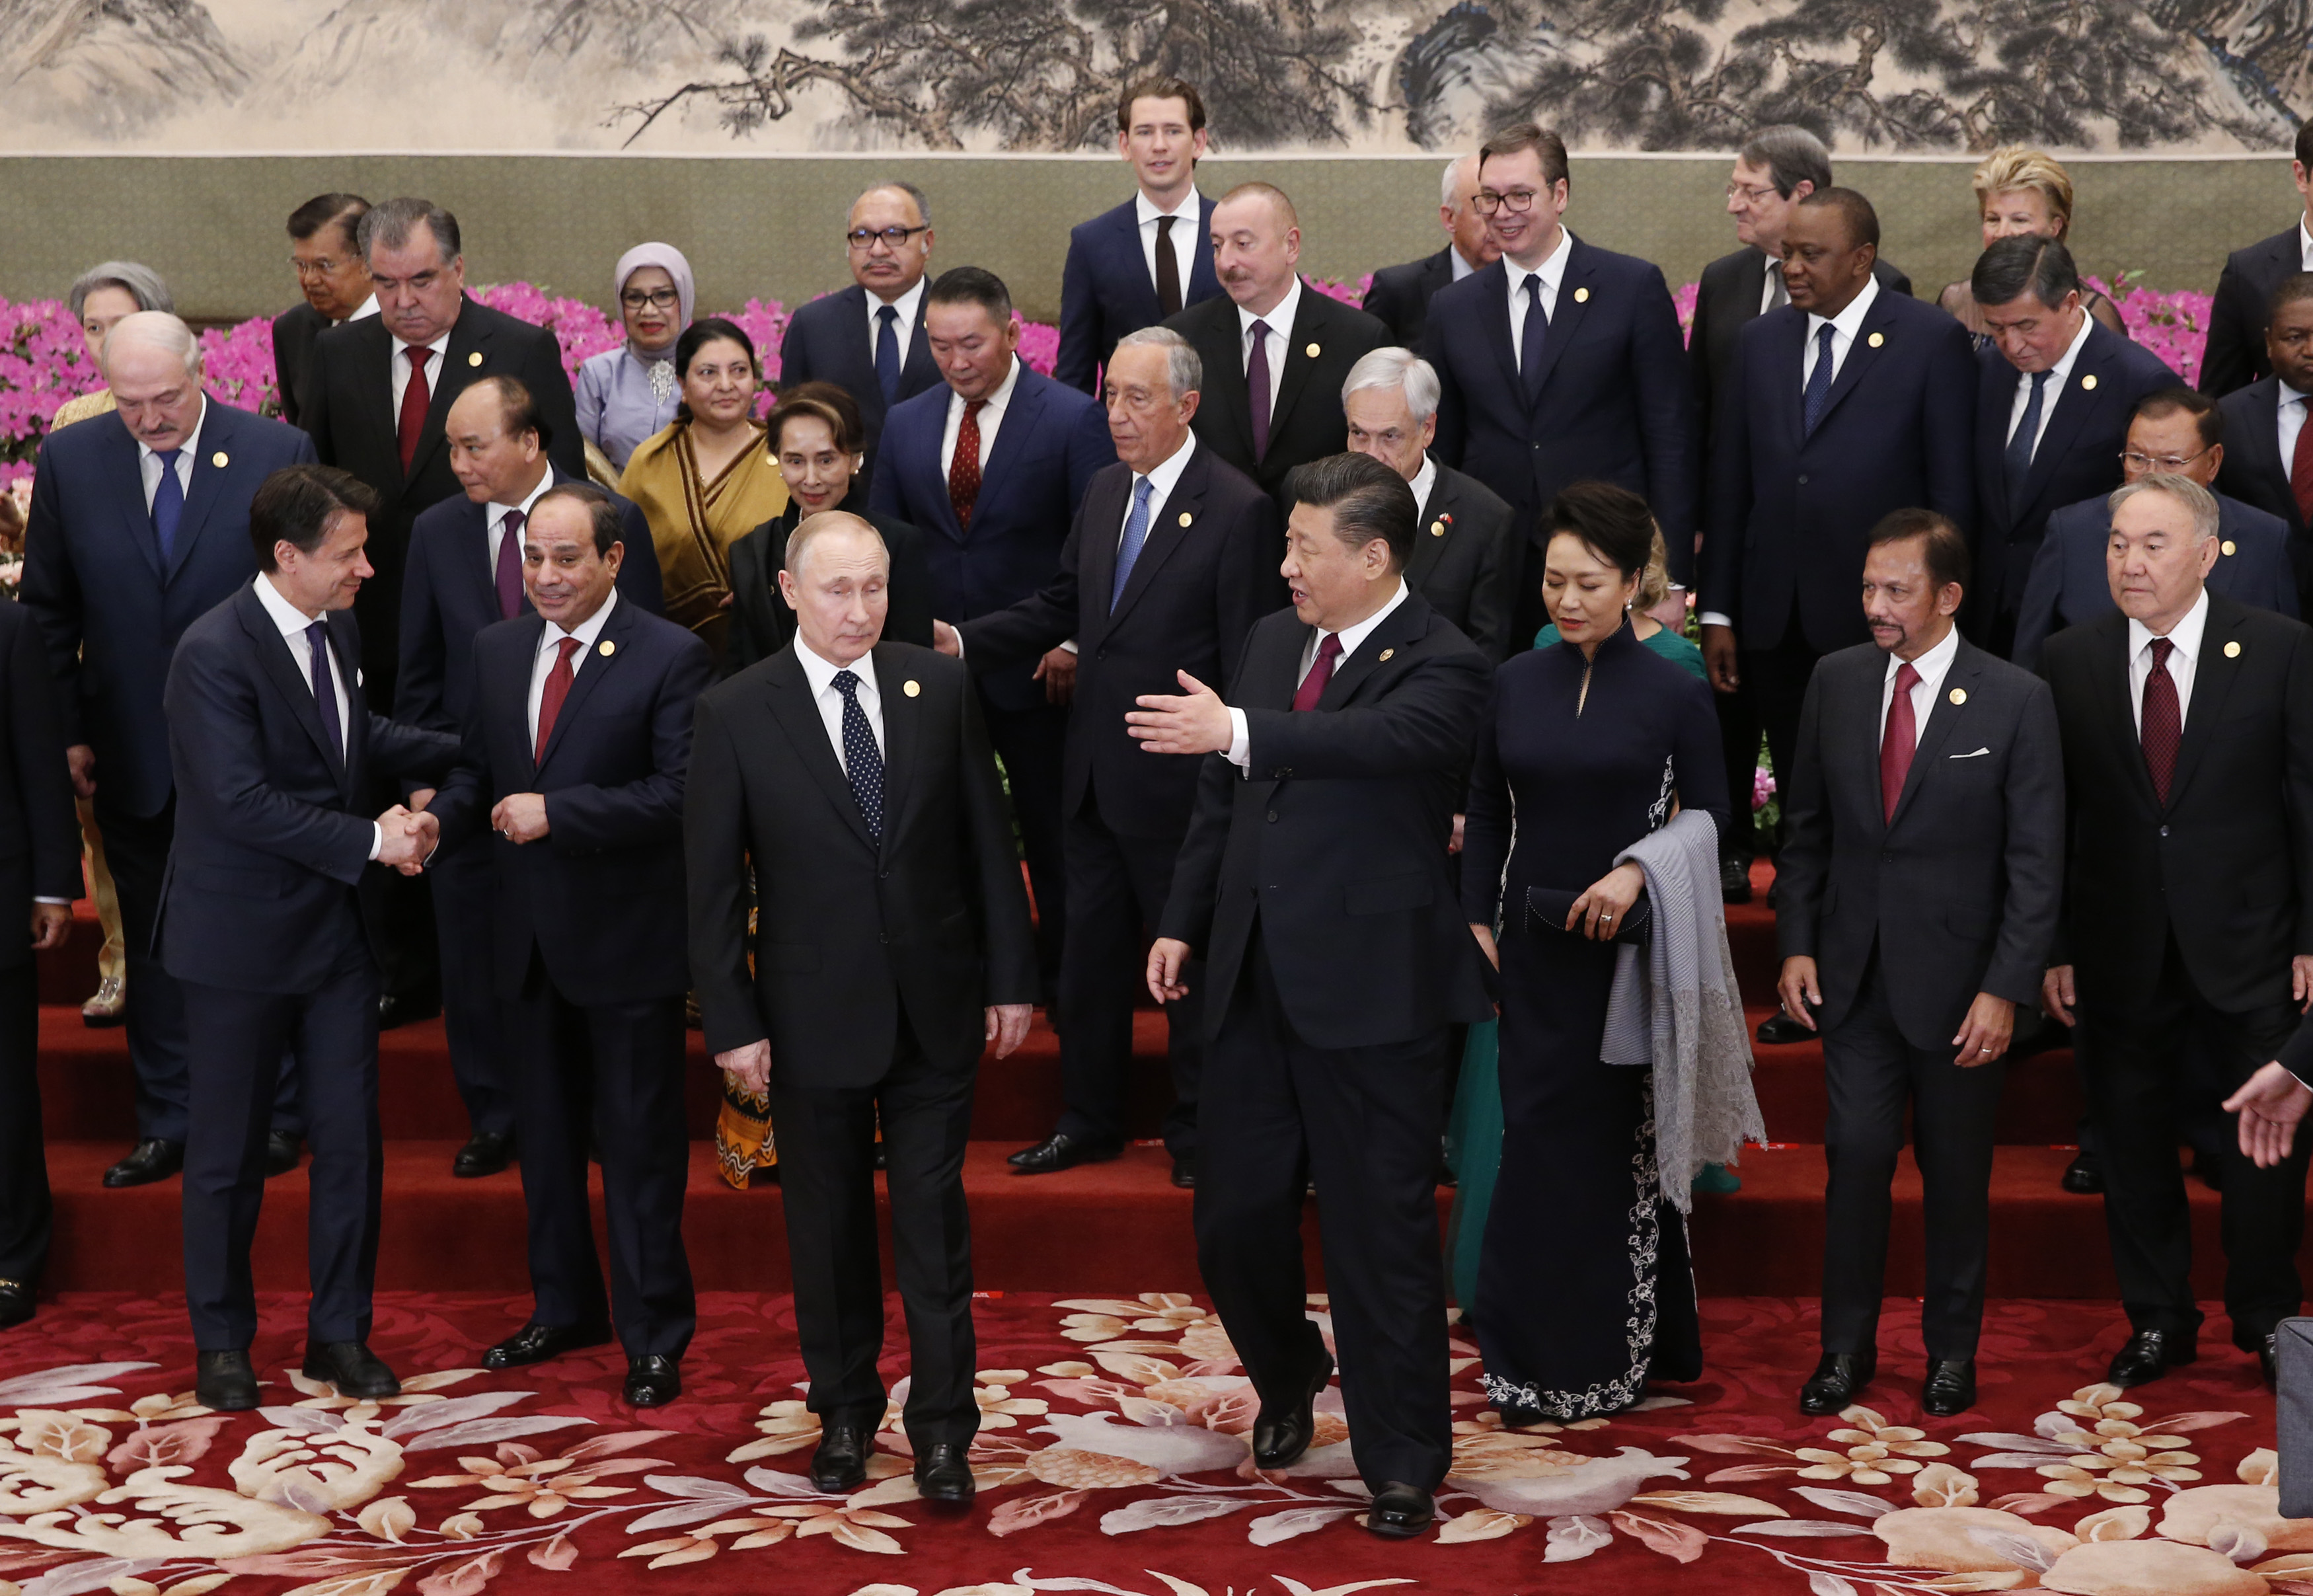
(2178, 432)
(39, 842)
(1173, 558)
(1400, 294)
(992, 465)
(2269, 458)
(2054, 393)
(2236, 356)
(139, 525)
(889, 943)
(868, 339)
(1331, 784)
(1917, 896)
(335, 278)
(465, 574)
(577, 735)
(267, 921)
(1275, 351)
(1561, 361)
(1152, 256)
(2187, 725)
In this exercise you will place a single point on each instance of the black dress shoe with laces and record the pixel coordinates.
(15, 1302)
(1835, 1381)
(943, 1475)
(839, 1466)
(1060, 1151)
(399, 1008)
(485, 1152)
(2148, 1355)
(1401, 1512)
(1184, 1174)
(151, 1159)
(224, 1382)
(2083, 1177)
(1950, 1387)
(653, 1381)
(1734, 880)
(536, 1343)
(351, 1367)
(282, 1151)
(1781, 1030)
(1280, 1437)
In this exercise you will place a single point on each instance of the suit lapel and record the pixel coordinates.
(1862, 355)
(1785, 357)
(1433, 529)
(615, 636)
(902, 736)
(789, 694)
(1401, 625)
(1574, 295)
(1203, 283)
(1308, 333)
(1021, 417)
(207, 484)
(288, 675)
(1144, 308)
(2073, 407)
(1494, 310)
(345, 649)
(2213, 675)
(1945, 713)
(2109, 665)
(1104, 506)
(126, 469)
(374, 375)
(1166, 533)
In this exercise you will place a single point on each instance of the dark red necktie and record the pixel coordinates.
(1899, 742)
(415, 398)
(549, 700)
(2300, 469)
(1321, 671)
(2160, 724)
(508, 573)
(963, 470)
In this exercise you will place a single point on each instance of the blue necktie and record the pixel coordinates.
(862, 762)
(325, 691)
(2027, 434)
(887, 353)
(168, 503)
(1136, 533)
(1537, 327)
(1818, 383)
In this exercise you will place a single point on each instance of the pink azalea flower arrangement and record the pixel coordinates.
(2173, 326)
(237, 364)
(1347, 293)
(43, 362)
(1682, 300)
(579, 327)
(1040, 344)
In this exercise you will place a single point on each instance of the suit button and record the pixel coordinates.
(1802, 481)
(1887, 858)
(882, 875)
(2164, 831)
(1272, 818)
(884, 938)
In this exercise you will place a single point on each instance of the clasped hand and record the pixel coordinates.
(520, 817)
(408, 839)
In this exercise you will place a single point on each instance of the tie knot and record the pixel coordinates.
(1907, 676)
(513, 520)
(1329, 647)
(972, 406)
(1823, 334)
(2162, 648)
(1164, 227)
(1533, 285)
(888, 313)
(569, 646)
(168, 457)
(418, 356)
(2039, 380)
(1260, 328)
(1141, 490)
(848, 685)
(317, 638)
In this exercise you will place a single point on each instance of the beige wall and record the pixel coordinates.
(769, 227)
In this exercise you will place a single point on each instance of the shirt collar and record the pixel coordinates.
(1280, 318)
(1551, 271)
(905, 303)
(1001, 397)
(1352, 636)
(1424, 482)
(438, 346)
(368, 308)
(1145, 210)
(821, 672)
(2185, 634)
(1166, 474)
(586, 631)
(1931, 665)
(496, 512)
(192, 445)
(1850, 321)
(288, 617)
(2304, 243)
(1462, 268)
(2060, 373)
(2290, 395)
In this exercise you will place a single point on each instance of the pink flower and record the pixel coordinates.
(1762, 787)
(1683, 302)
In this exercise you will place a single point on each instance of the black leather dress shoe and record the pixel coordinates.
(1278, 1439)
(653, 1381)
(282, 1151)
(839, 1466)
(1060, 1151)
(224, 1382)
(944, 1476)
(1781, 1030)
(2148, 1355)
(1950, 1387)
(351, 1367)
(15, 1302)
(485, 1152)
(1184, 1174)
(1734, 880)
(2084, 1176)
(1835, 1381)
(2268, 1360)
(1399, 1512)
(149, 1160)
(536, 1343)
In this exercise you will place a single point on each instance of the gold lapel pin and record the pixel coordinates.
(1876, 340)
(1437, 529)
(912, 689)
(1581, 295)
(1313, 351)
(2088, 384)
(2232, 650)
(1186, 517)
(1386, 652)
(1959, 695)
(220, 460)
(606, 647)
(475, 358)
(2226, 547)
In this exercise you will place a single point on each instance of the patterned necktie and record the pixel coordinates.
(1136, 533)
(887, 353)
(415, 398)
(1256, 387)
(509, 567)
(1530, 339)
(2026, 440)
(550, 699)
(1168, 271)
(325, 688)
(1899, 742)
(2160, 724)
(862, 762)
(1321, 671)
(963, 470)
(2301, 466)
(168, 503)
(1818, 383)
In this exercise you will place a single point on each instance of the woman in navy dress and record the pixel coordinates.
(1585, 1290)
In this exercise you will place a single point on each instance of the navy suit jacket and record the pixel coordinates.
(1050, 443)
(274, 827)
(1792, 512)
(1106, 290)
(827, 340)
(1616, 402)
(600, 897)
(39, 839)
(2068, 584)
(2254, 473)
(451, 593)
(109, 612)
(2242, 309)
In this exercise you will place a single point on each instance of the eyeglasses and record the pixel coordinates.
(1517, 199)
(2168, 465)
(1752, 192)
(664, 299)
(325, 267)
(863, 238)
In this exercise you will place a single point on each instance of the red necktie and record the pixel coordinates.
(1321, 671)
(2300, 469)
(2160, 724)
(964, 471)
(1899, 742)
(415, 398)
(508, 574)
(549, 701)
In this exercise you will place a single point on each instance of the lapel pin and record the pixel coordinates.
(606, 647)
(912, 689)
(220, 460)
(1186, 517)
(1437, 529)
(475, 358)
(1386, 652)
(2088, 384)
(1876, 340)
(1959, 695)
(2232, 650)
(2227, 547)
(1313, 351)
(1581, 295)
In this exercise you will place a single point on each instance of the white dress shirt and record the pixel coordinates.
(2292, 412)
(1845, 327)
(292, 623)
(1424, 483)
(2058, 375)
(1280, 322)
(148, 464)
(1187, 217)
(903, 326)
(1553, 272)
(2304, 244)
(821, 674)
(493, 516)
(368, 308)
(399, 369)
(991, 417)
(2182, 662)
(1462, 268)
(549, 641)
(1931, 666)
(1240, 748)
(1162, 479)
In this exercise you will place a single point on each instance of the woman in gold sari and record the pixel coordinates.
(707, 479)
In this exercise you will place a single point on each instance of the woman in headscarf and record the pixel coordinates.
(628, 394)
(98, 297)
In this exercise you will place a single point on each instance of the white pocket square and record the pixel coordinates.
(1979, 753)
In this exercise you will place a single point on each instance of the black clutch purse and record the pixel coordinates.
(1547, 907)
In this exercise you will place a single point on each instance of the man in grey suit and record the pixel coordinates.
(1918, 895)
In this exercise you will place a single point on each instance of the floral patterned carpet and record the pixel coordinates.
(1112, 1457)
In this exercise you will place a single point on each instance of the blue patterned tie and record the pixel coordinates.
(1530, 336)
(1136, 533)
(2028, 436)
(168, 503)
(862, 762)
(325, 689)
(1818, 383)
(887, 353)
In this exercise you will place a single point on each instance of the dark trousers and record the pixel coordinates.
(1030, 743)
(237, 1039)
(1738, 746)
(827, 1173)
(1874, 1075)
(1775, 680)
(612, 1071)
(2135, 1062)
(1364, 1122)
(24, 1205)
(466, 923)
(1117, 887)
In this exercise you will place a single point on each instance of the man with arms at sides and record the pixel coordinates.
(1917, 893)
(577, 735)
(1314, 886)
(1400, 294)
(334, 278)
(1172, 559)
(2269, 453)
(992, 466)
(1390, 401)
(2175, 432)
(1152, 256)
(2187, 723)
(890, 943)
(2052, 404)
(465, 574)
(139, 527)
(1275, 352)
(2236, 355)
(868, 339)
(1560, 361)
(269, 921)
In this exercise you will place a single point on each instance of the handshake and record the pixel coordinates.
(409, 837)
